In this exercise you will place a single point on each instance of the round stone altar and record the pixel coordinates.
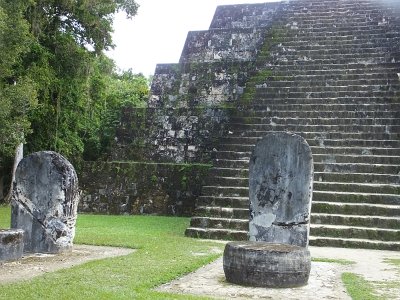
(11, 244)
(262, 264)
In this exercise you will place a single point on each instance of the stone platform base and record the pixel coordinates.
(262, 264)
(11, 244)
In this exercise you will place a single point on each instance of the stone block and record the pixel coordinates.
(11, 244)
(262, 264)
(44, 202)
(280, 189)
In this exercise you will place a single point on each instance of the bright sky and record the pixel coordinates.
(157, 34)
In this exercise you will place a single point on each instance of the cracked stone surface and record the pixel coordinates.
(280, 187)
(44, 202)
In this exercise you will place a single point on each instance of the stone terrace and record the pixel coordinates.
(329, 71)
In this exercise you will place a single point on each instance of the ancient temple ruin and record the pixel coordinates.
(328, 70)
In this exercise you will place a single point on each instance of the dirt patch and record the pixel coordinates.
(33, 265)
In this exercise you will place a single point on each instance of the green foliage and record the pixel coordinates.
(162, 254)
(57, 90)
(17, 91)
(110, 92)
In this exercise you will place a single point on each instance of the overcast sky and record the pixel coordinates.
(157, 34)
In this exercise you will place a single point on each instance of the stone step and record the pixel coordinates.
(358, 221)
(225, 191)
(262, 106)
(243, 127)
(357, 159)
(320, 150)
(324, 230)
(298, 87)
(237, 187)
(340, 35)
(356, 168)
(372, 18)
(231, 177)
(358, 187)
(304, 93)
(353, 243)
(337, 231)
(335, 49)
(340, 28)
(300, 67)
(363, 101)
(357, 177)
(344, 208)
(346, 41)
(322, 142)
(318, 196)
(322, 45)
(294, 56)
(217, 234)
(326, 163)
(228, 202)
(323, 135)
(295, 71)
(274, 120)
(293, 82)
(326, 77)
(346, 197)
(220, 223)
(310, 114)
(241, 235)
(222, 212)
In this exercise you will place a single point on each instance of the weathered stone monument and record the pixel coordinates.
(44, 202)
(280, 189)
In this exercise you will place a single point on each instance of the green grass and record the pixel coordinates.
(394, 261)
(5, 216)
(163, 253)
(358, 288)
(345, 262)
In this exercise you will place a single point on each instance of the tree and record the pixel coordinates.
(114, 91)
(17, 91)
(69, 37)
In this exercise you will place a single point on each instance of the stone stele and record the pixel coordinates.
(44, 202)
(280, 189)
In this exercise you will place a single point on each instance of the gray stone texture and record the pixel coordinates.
(11, 244)
(44, 202)
(141, 188)
(262, 264)
(280, 189)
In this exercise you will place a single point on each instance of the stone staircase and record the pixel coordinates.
(333, 78)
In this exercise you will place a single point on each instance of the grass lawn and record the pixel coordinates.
(163, 253)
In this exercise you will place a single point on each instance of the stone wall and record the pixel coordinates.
(190, 104)
(245, 15)
(141, 188)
